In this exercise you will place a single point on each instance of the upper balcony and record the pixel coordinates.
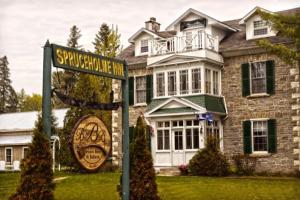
(188, 42)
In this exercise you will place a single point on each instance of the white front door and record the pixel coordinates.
(178, 156)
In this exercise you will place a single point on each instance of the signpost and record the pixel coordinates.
(85, 62)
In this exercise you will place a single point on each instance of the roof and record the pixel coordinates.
(25, 121)
(233, 42)
(191, 10)
(211, 103)
(6, 140)
(237, 41)
(251, 13)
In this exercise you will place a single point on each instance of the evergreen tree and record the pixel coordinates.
(288, 26)
(36, 169)
(21, 99)
(74, 37)
(8, 96)
(142, 173)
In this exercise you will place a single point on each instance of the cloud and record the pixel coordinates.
(26, 25)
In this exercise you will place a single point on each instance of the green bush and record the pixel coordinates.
(245, 165)
(36, 181)
(209, 161)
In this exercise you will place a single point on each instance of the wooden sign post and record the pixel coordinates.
(85, 62)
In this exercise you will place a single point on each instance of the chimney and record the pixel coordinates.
(152, 25)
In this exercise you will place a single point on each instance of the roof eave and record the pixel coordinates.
(250, 14)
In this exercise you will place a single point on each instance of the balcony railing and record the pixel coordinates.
(185, 43)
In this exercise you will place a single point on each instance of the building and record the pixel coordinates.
(199, 66)
(16, 132)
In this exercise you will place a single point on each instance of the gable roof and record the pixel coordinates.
(251, 13)
(142, 30)
(25, 121)
(191, 10)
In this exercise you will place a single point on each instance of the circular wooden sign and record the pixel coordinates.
(91, 142)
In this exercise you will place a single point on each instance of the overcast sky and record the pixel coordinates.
(26, 25)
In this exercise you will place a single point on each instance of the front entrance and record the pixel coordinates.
(177, 152)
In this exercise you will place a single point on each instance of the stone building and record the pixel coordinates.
(202, 76)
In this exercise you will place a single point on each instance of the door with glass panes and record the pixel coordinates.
(178, 156)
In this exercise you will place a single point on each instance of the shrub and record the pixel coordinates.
(209, 161)
(184, 169)
(36, 169)
(245, 165)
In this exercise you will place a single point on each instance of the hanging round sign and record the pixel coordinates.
(91, 142)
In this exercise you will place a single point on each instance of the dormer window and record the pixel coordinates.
(144, 46)
(198, 23)
(260, 27)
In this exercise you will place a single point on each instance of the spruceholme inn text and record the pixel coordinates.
(71, 58)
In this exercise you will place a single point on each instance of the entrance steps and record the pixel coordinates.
(167, 171)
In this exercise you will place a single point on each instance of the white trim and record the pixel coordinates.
(252, 137)
(249, 14)
(132, 38)
(23, 151)
(134, 88)
(12, 155)
(191, 10)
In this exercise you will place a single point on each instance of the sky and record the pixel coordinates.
(25, 25)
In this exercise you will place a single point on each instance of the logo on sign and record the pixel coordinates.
(91, 142)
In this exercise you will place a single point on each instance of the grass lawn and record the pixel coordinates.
(103, 186)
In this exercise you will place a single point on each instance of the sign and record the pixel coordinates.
(73, 59)
(91, 142)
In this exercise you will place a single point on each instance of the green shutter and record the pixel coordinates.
(247, 137)
(272, 141)
(149, 88)
(131, 90)
(270, 69)
(245, 80)
(131, 134)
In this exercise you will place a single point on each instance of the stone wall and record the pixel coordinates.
(277, 106)
(134, 112)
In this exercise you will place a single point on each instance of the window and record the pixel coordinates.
(213, 129)
(25, 152)
(171, 83)
(144, 46)
(140, 89)
(178, 140)
(184, 88)
(160, 84)
(192, 134)
(8, 155)
(215, 82)
(208, 81)
(163, 136)
(258, 77)
(196, 80)
(260, 27)
(260, 135)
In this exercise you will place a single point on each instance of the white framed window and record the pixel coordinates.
(259, 136)
(216, 82)
(160, 84)
(260, 27)
(163, 135)
(140, 89)
(258, 77)
(8, 155)
(192, 134)
(208, 81)
(172, 83)
(144, 46)
(196, 80)
(184, 81)
(189, 40)
(213, 129)
(25, 151)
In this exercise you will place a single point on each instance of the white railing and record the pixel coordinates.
(184, 43)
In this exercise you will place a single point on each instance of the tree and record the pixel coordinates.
(8, 96)
(30, 102)
(36, 169)
(288, 26)
(21, 99)
(142, 173)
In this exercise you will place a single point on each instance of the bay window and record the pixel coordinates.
(208, 81)
(184, 81)
(196, 80)
(171, 83)
(160, 84)
(215, 82)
